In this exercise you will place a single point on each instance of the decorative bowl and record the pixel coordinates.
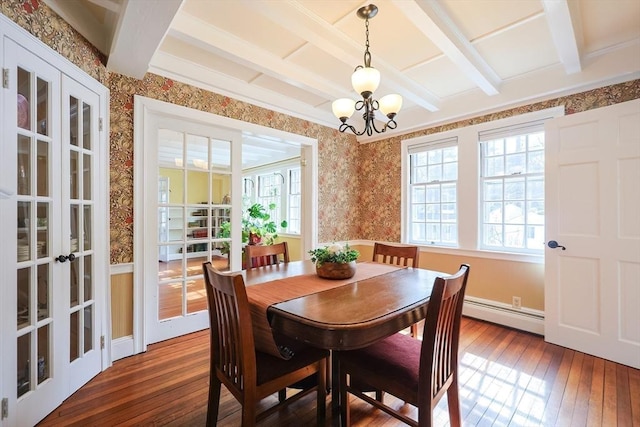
(334, 270)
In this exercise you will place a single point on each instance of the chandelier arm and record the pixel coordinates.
(391, 124)
(373, 124)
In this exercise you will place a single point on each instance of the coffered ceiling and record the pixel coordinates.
(449, 59)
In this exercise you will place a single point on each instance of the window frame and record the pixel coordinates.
(468, 186)
(428, 148)
(251, 180)
(508, 179)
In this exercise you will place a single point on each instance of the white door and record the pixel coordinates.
(592, 288)
(34, 344)
(52, 315)
(184, 221)
(80, 214)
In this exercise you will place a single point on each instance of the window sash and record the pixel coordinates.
(433, 207)
(512, 189)
(274, 185)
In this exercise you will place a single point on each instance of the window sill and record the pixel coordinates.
(477, 253)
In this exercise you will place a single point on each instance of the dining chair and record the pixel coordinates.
(263, 255)
(417, 372)
(248, 374)
(406, 256)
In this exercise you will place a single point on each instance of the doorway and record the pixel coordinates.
(189, 183)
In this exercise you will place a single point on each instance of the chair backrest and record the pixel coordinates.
(439, 353)
(398, 255)
(232, 345)
(261, 255)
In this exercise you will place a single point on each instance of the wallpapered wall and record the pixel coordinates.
(338, 190)
(379, 167)
(359, 195)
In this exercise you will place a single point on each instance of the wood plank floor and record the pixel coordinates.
(507, 378)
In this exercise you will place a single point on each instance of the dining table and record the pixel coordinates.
(289, 299)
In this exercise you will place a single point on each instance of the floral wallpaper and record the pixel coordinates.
(359, 185)
(337, 190)
(379, 166)
(36, 17)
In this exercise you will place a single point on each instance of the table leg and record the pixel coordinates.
(335, 385)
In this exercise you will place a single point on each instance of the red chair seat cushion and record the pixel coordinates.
(270, 367)
(396, 358)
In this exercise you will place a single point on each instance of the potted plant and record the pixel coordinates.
(257, 227)
(335, 261)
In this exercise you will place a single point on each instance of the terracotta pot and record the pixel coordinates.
(254, 239)
(333, 270)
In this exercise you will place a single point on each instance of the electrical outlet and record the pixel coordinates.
(516, 303)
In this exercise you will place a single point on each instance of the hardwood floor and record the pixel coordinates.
(507, 378)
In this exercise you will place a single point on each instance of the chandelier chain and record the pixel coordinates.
(367, 55)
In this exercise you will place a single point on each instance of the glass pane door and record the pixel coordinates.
(31, 133)
(80, 141)
(194, 179)
(34, 149)
(188, 224)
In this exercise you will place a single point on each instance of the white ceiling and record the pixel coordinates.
(449, 59)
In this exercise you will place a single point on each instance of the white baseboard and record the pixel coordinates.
(524, 319)
(122, 347)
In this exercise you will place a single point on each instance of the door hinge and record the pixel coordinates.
(5, 78)
(5, 408)
(100, 124)
(102, 342)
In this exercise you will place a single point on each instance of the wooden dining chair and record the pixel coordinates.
(417, 372)
(406, 256)
(248, 374)
(262, 255)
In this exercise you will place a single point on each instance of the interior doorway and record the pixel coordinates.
(189, 183)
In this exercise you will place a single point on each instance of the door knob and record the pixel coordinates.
(553, 244)
(64, 258)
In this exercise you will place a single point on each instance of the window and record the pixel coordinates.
(295, 200)
(278, 185)
(512, 189)
(269, 192)
(433, 194)
(478, 188)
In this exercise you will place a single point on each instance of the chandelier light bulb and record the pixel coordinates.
(365, 81)
(343, 108)
(390, 104)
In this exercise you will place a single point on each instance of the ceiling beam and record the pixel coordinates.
(82, 21)
(110, 5)
(196, 75)
(194, 31)
(564, 33)
(308, 26)
(430, 18)
(138, 35)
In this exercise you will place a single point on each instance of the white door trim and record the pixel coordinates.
(144, 111)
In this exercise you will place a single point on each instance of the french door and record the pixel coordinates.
(191, 165)
(53, 258)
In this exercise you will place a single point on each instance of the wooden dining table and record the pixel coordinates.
(348, 315)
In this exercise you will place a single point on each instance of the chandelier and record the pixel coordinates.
(365, 80)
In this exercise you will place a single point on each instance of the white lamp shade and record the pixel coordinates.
(343, 107)
(390, 104)
(365, 79)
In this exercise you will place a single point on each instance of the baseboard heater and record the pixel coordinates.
(524, 319)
